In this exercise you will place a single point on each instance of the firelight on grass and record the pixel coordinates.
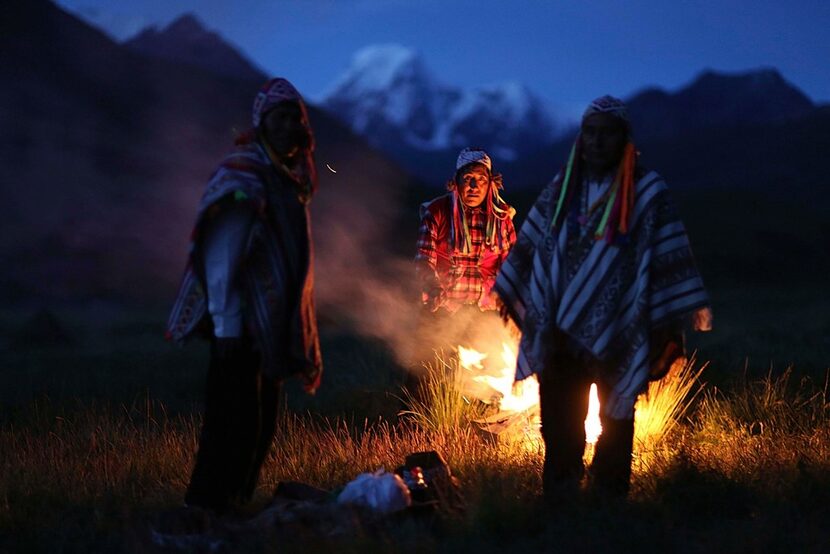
(468, 390)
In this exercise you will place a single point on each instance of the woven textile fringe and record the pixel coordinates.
(497, 211)
(616, 216)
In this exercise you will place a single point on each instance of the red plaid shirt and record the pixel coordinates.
(450, 278)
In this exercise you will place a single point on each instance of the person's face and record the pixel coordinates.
(473, 183)
(603, 141)
(286, 130)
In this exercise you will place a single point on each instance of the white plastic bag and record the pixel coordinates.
(382, 492)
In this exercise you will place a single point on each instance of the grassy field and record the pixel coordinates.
(98, 431)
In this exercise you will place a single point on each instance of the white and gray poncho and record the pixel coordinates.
(606, 297)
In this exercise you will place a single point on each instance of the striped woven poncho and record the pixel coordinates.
(277, 273)
(606, 295)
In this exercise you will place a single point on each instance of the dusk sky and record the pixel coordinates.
(567, 51)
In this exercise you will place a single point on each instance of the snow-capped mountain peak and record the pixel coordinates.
(386, 88)
(383, 66)
(512, 94)
(389, 96)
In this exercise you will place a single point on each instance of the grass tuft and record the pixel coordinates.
(659, 410)
(439, 404)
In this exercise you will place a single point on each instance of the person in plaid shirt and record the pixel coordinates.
(464, 238)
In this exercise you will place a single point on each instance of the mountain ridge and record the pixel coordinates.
(714, 98)
(187, 40)
(111, 151)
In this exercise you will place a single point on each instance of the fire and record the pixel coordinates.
(593, 427)
(511, 396)
(470, 358)
(515, 398)
(512, 409)
(517, 403)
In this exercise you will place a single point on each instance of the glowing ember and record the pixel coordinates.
(593, 427)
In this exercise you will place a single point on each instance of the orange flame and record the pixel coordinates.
(516, 397)
(470, 358)
(593, 427)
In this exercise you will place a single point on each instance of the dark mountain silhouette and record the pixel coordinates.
(186, 40)
(754, 194)
(108, 151)
(718, 99)
(744, 155)
(746, 131)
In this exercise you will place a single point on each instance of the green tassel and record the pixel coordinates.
(607, 212)
(564, 190)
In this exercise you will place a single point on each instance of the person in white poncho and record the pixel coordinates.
(601, 283)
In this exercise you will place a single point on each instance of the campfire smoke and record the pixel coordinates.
(364, 274)
(365, 284)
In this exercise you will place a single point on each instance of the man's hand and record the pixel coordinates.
(434, 298)
(671, 353)
(702, 320)
(504, 312)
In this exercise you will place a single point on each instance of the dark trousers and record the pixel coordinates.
(563, 390)
(237, 432)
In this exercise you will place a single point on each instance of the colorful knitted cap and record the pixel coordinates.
(473, 155)
(272, 93)
(610, 105)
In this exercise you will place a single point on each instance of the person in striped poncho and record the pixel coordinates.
(601, 283)
(248, 289)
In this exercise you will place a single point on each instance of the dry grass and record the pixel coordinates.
(659, 410)
(770, 425)
(90, 478)
(135, 453)
(438, 404)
